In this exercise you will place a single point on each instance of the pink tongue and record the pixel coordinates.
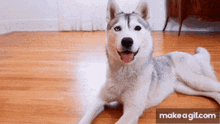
(127, 57)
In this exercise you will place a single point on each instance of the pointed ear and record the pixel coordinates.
(112, 10)
(142, 9)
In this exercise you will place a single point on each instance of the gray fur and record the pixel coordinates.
(162, 66)
(144, 23)
(115, 20)
(127, 17)
(112, 23)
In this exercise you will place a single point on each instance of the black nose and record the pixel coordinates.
(127, 42)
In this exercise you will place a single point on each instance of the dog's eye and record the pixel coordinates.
(137, 28)
(117, 28)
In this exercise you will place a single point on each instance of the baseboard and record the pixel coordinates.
(28, 25)
(52, 25)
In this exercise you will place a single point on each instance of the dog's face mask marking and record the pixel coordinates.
(127, 31)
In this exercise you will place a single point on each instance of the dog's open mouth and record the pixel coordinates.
(128, 56)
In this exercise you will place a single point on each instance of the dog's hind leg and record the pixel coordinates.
(190, 70)
(198, 82)
(184, 89)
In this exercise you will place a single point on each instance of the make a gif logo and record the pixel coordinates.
(187, 116)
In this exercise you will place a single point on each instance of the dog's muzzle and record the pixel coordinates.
(128, 56)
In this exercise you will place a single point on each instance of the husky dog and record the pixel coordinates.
(139, 81)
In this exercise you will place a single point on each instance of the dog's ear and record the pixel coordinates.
(112, 10)
(142, 9)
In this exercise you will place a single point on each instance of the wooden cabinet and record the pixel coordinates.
(206, 10)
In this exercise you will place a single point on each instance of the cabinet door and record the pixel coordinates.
(207, 10)
(173, 6)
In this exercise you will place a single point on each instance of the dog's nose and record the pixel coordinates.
(127, 42)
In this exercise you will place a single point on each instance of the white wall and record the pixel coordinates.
(90, 14)
(28, 15)
(81, 14)
(49, 15)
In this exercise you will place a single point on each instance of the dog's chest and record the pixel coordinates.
(125, 76)
(121, 82)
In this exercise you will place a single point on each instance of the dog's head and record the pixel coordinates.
(128, 34)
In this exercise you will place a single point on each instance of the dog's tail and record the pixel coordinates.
(197, 72)
(203, 55)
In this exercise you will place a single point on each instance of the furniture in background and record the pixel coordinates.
(206, 10)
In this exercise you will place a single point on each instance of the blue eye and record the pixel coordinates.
(137, 28)
(117, 28)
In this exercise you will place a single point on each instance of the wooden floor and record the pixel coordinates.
(51, 77)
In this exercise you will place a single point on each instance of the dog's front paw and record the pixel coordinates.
(83, 122)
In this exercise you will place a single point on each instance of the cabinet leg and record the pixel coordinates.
(166, 23)
(180, 27)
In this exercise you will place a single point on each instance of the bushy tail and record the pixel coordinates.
(203, 55)
(193, 77)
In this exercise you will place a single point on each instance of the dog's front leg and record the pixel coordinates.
(130, 116)
(134, 105)
(96, 108)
